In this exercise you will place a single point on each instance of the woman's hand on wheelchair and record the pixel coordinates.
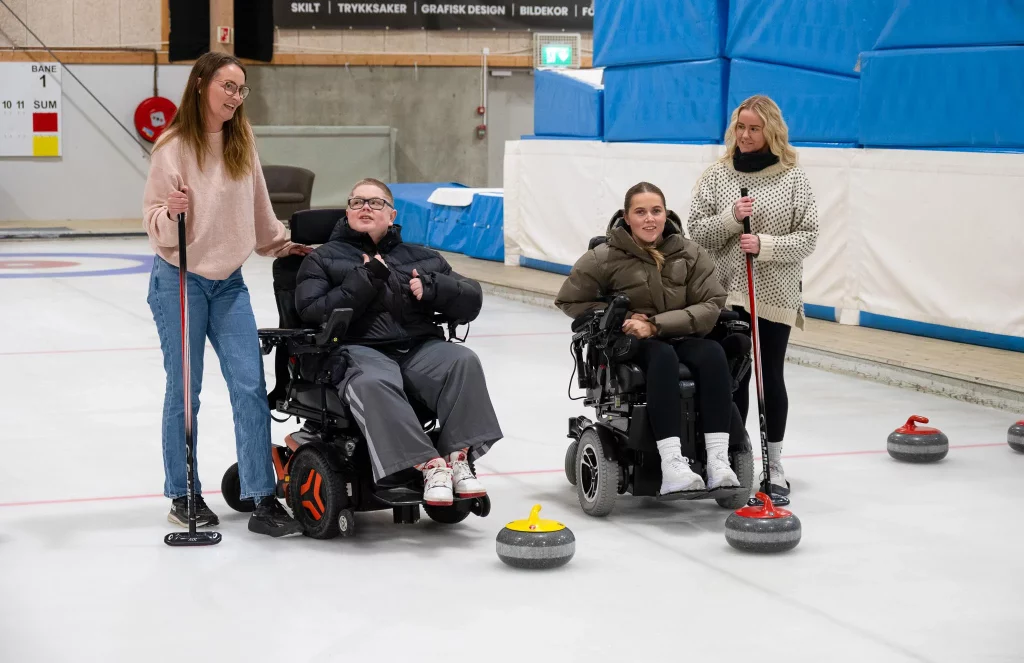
(638, 328)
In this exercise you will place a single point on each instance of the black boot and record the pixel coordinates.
(179, 513)
(270, 518)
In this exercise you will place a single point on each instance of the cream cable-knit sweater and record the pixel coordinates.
(786, 221)
(226, 218)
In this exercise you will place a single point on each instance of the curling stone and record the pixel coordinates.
(918, 444)
(535, 544)
(1015, 437)
(764, 528)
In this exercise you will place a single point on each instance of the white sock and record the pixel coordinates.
(774, 452)
(669, 448)
(715, 442)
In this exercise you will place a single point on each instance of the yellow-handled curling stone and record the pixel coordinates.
(534, 543)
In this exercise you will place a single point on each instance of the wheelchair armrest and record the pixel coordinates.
(335, 327)
(272, 337)
(308, 341)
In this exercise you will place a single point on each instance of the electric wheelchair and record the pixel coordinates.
(616, 453)
(323, 472)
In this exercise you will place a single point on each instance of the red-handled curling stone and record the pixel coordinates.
(1015, 436)
(765, 528)
(918, 444)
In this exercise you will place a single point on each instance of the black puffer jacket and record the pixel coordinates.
(385, 312)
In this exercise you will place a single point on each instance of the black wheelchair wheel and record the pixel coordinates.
(317, 494)
(570, 461)
(597, 474)
(446, 515)
(743, 465)
(231, 489)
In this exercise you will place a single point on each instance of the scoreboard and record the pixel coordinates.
(30, 109)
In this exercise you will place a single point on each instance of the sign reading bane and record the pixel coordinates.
(416, 14)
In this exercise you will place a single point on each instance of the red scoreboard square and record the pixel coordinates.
(44, 122)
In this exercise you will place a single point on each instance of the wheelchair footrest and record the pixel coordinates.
(717, 493)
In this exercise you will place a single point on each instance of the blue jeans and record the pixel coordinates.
(220, 310)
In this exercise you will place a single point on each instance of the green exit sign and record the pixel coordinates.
(556, 55)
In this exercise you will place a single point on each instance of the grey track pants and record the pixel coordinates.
(447, 378)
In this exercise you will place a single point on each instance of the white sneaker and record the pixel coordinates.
(437, 483)
(676, 476)
(464, 482)
(779, 483)
(720, 474)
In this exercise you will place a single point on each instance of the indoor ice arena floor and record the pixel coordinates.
(897, 563)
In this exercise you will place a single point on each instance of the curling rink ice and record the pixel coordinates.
(897, 563)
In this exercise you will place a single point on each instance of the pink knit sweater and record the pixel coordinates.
(226, 218)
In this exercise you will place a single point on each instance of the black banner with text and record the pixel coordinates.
(416, 15)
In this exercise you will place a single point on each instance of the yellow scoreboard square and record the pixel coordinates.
(45, 146)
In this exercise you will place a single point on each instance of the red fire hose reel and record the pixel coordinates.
(152, 116)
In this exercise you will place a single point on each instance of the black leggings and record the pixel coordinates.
(774, 338)
(706, 360)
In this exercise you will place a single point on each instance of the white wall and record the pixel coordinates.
(102, 172)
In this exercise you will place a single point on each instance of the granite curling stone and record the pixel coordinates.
(918, 444)
(1015, 436)
(535, 544)
(764, 528)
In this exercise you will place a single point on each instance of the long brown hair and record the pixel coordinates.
(645, 187)
(189, 125)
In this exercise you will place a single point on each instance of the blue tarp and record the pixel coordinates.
(943, 97)
(476, 230)
(413, 208)
(487, 234)
(817, 107)
(666, 102)
(649, 31)
(566, 106)
(825, 35)
(919, 23)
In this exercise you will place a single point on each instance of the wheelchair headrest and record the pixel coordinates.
(314, 226)
(673, 226)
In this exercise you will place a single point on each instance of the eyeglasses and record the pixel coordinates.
(232, 89)
(374, 203)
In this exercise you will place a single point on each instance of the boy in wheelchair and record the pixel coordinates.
(659, 293)
(393, 362)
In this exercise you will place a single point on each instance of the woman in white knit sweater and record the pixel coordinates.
(784, 225)
(205, 165)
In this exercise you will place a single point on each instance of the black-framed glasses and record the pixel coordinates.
(232, 89)
(374, 203)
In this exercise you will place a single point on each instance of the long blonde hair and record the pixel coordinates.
(776, 133)
(189, 125)
(645, 187)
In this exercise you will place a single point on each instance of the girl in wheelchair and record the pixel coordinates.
(676, 299)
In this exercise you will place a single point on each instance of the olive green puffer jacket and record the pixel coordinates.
(684, 299)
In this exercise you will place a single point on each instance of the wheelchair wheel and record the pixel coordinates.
(317, 494)
(231, 489)
(570, 461)
(743, 465)
(446, 515)
(597, 474)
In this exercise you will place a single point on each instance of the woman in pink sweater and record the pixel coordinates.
(205, 165)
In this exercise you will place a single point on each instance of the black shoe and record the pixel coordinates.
(270, 518)
(179, 513)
